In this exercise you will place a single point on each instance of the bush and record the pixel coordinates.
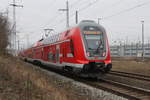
(4, 33)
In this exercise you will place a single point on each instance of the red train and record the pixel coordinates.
(82, 49)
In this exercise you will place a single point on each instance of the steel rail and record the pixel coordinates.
(141, 90)
(107, 85)
(108, 89)
(131, 75)
(129, 92)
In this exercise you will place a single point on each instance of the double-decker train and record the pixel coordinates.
(82, 49)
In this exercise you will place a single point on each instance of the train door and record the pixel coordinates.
(45, 53)
(57, 54)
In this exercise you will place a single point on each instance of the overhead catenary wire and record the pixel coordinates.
(116, 14)
(59, 14)
(88, 5)
(113, 5)
(75, 3)
(53, 19)
(81, 9)
(91, 4)
(126, 10)
(85, 7)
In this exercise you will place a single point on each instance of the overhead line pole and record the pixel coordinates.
(76, 17)
(18, 45)
(27, 39)
(14, 19)
(67, 13)
(142, 39)
(99, 20)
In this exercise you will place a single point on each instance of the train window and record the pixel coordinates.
(92, 37)
(72, 47)
(57, 55)
(94, 40)
(91, 28)
(51, 56)
(67, 32)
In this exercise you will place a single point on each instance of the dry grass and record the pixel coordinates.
(23, 81)
(32, 83)
(14, 86)
(132, 65)
(20, 82)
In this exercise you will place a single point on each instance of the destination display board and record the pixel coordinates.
(92, 32)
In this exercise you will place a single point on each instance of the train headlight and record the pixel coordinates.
(88, 54)
(104, 54)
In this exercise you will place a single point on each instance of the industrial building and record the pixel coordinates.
(132, 50)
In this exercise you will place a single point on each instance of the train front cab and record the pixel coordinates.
(96, 48)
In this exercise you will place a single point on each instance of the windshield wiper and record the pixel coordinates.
(100, 44)
(91, 49)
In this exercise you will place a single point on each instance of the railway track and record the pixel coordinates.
(120, 89)
(131, 75)
(129, 92)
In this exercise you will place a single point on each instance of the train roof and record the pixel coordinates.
(56, 37)
(84, 23)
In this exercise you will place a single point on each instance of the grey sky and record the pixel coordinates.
(39, 14)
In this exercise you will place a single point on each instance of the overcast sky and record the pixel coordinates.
(121, 18)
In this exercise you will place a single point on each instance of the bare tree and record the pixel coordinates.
(4, 33)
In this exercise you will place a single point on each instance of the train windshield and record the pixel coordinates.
(94, 41)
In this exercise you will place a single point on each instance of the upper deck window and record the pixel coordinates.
(91, 28)
(67, 32)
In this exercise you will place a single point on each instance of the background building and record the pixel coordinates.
(133, 50)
